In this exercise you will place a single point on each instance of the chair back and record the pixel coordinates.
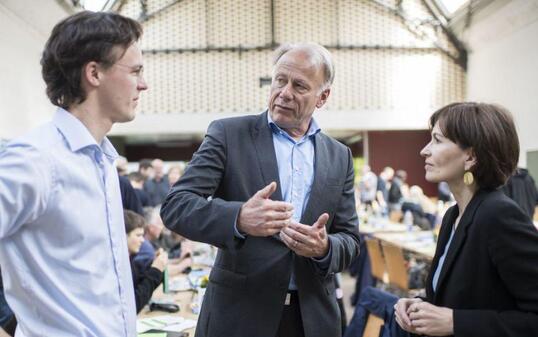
(373, 326)
(376, 259)
(396, 266)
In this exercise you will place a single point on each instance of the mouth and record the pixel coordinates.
(428, 166)
(282, 107)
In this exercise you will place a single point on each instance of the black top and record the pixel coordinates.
(145, 282)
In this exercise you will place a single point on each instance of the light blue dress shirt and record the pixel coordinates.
(63, 248)
(437, 273)
(295, 161)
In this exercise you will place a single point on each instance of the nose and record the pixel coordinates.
(425, 152)
(286, 92)
(142, 85)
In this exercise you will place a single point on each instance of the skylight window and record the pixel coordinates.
(451, 6)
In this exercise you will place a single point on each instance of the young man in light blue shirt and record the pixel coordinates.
(63, 250)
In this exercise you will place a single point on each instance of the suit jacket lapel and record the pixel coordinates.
(314, 206)
(459, 238)
(262, 138)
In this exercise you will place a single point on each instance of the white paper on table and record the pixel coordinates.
(158, 323)
(186, 324)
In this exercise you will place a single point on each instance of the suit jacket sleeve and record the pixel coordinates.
(188, 208)
(343, 233)
(513, 247)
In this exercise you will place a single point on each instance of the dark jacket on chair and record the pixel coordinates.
(381, 304)
(490, 274)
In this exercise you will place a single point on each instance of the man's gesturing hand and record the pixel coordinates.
(307, 241)
(260, 216)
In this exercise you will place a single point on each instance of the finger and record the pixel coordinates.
(266, 192)
(278, 215)
(402, 323)
(404, 317)
(288, 241)
(279, 206)
(322, 221)
(298, 236)
(276, 225)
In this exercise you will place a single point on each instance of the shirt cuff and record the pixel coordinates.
(236, 231)
(325, 261)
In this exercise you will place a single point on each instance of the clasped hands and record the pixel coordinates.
(422, 318)
(261, 216)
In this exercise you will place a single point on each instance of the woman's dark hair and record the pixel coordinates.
(489, 131)
(133, 221)
(79, 39)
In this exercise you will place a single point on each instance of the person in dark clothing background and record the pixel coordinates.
(145, 281)
(6, 315)
(129, 198)
(521, 188)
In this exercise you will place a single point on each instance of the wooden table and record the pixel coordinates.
(182, 298)
(420, 243)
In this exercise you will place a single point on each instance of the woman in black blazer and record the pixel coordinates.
(484, 276)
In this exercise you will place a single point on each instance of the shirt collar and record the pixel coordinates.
(312, 130)
(78, 136)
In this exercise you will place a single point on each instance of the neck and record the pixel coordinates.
(296, 133)
(92, 120)
(463, 195)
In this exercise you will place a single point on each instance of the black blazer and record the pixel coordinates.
(248, 283)
(490, 274)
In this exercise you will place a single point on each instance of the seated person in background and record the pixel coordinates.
(152, 232)
(145, 280)
(397, 190)
(180, 254)
(422, 208)
(174, 173)
(137, 181)
(443, 192)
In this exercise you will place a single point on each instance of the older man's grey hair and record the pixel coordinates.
(317, 54)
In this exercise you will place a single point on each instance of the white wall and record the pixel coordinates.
(503, 64)
(25, 26)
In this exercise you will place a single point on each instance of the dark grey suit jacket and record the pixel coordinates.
(248, 284)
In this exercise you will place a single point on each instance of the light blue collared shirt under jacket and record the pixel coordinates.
(63, 248)
(296, 161)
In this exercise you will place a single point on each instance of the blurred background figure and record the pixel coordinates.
(145, 168)
(137, 182)
(157, 185)
(147, 279)
(368, 186)
(421, 207)
(121, 166)
(383, 186)
(398, 190)
(521, 188)
(174, 173)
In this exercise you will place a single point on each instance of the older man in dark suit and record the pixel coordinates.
(276, 196)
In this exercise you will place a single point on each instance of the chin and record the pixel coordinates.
(431, 179)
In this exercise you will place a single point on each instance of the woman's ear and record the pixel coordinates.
(470, 160)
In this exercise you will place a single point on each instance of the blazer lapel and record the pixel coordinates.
(262, 138)
(459, 238)
(321, 168)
